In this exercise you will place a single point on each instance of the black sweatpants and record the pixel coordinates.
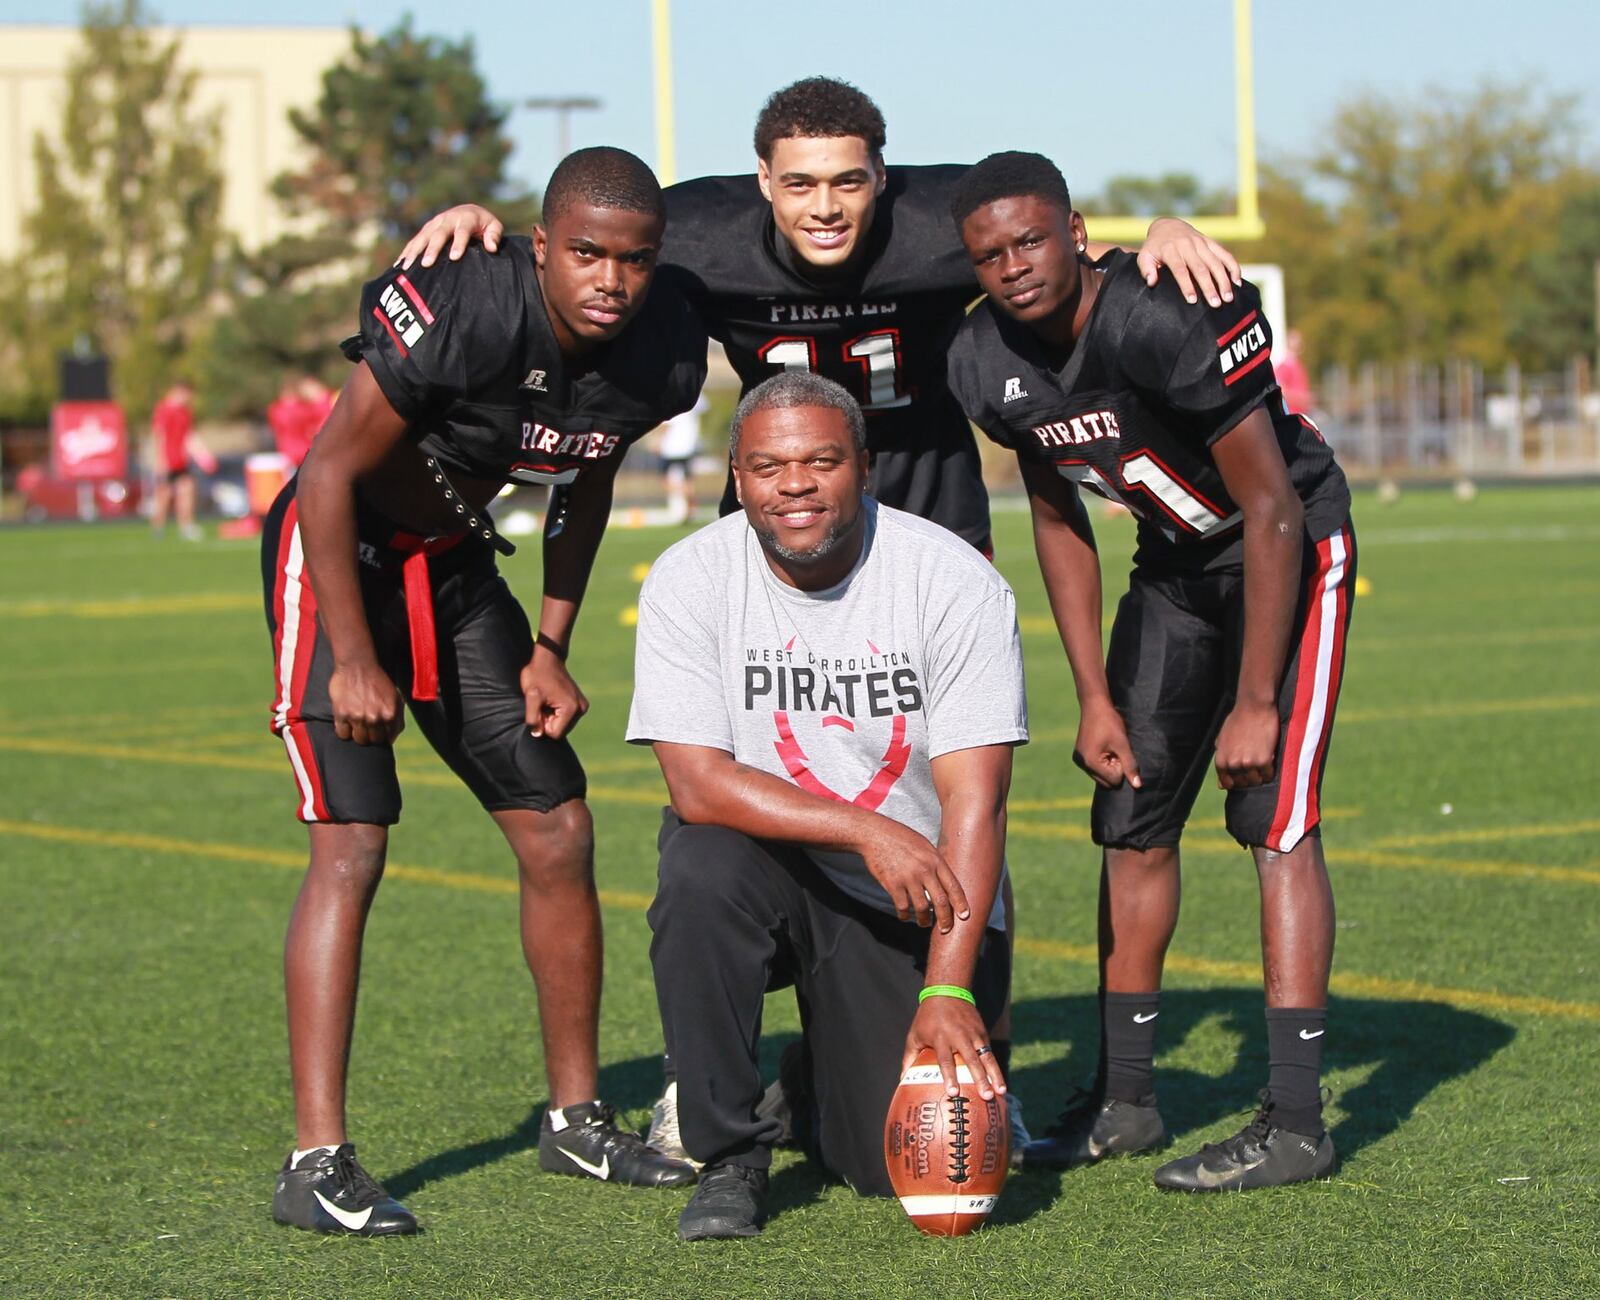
(735, 918)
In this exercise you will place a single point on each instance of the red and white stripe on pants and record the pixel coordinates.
(294, 612)
(1316, 692)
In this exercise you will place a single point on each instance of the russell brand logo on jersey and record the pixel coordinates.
(1015, 392)
(1088, 427)
(1243, 348)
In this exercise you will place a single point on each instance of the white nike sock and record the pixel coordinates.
(294, 1160)
(558, 1114)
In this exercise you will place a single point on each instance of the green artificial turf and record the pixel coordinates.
(149, 855)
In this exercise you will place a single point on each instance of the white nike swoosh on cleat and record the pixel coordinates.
(1309, 1037)
(602, 1171)
(1144, 1020)
(355, 1222)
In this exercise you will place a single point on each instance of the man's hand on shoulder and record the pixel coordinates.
(555, 704)
(1198, 263)
(457, 227)
(913, 872)
(367, 708)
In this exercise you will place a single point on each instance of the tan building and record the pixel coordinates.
(255, 74)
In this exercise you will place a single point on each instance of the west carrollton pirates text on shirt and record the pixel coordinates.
(849, 693)
(464, 351)
(1151, 383)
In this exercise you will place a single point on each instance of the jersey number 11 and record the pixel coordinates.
(877, 353)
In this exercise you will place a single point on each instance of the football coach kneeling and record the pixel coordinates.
(833, 690)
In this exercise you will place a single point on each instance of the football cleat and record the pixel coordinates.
(728, 1203)
(329, 1191)
(664, 1135)
(1093, 1127)
(1019, 1131)
(584, 1141)
(1261, 1154)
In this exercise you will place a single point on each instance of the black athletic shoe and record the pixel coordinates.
(586, 1142)
(1093, 1127)
(1261, 1154)
(728, 1203)
(329, 1191)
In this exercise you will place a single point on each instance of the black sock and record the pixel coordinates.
(669, 1071)
(1294, 1052)
(1002, 1055)
(1128, 1046)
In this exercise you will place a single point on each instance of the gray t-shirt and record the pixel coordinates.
(851, 692)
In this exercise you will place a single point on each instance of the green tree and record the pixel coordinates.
(1172, 194)
(122, 249)
(403, 128)
(1409, 233)
(1552, 317)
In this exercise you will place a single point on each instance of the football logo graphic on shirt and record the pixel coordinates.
(850, 696)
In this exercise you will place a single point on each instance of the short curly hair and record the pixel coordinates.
(819, 108)
(603, 177)
(1005, 176)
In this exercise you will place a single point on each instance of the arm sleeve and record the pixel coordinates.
(975, 688)
(1222, 368)
(677, 687)
(961, 369)
(432, 334)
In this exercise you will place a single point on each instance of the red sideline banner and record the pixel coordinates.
(88, 440)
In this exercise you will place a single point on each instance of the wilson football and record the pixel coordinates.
(947, 1156)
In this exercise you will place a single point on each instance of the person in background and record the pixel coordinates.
(680, 440)
(172, 424)
(1293, 381)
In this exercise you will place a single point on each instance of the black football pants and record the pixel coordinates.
(735, 918)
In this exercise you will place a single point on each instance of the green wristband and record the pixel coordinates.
(946, 991)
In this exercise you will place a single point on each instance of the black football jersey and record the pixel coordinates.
(883, 333)
(1152, 382)
(464, 351)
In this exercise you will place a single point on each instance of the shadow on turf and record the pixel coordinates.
(1415, 1046)
(628, 1085)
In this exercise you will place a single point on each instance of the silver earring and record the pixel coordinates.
(1083, 248)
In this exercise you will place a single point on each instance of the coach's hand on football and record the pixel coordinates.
(1102, 749)
(456, 227)
(366, 706)
(951, 1027)
(915, 875)
(1247, 746)
(555, 704)
(1198, 263)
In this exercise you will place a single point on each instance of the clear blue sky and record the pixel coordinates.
(1142, 91)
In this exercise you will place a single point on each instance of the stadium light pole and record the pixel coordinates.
(661, 47)
(563, 106)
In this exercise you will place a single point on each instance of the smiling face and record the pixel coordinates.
(595, 266)
(823, 192)
(1025, 252)
(800, 478)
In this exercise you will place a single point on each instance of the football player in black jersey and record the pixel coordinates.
(828, 260)
(541, 365)
(1230, 639)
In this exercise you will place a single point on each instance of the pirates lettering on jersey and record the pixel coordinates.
(558, 453)
(830, 712)
(795, 313)
(1088, 427)
(466, 354)
(1133, 411)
